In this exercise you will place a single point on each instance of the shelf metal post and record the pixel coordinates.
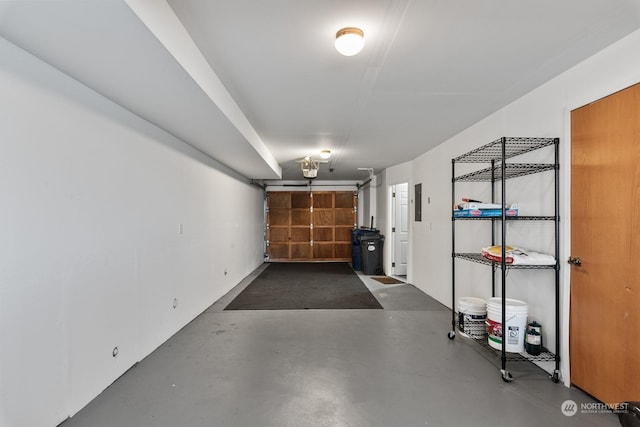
(493, 225)
(556, 373)
(453, 251)
(504, 259)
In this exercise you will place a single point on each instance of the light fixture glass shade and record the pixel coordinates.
(309, 168)
(325, 154)
(310, 173)
(349, 41)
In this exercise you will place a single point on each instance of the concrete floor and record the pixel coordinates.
(392, 367)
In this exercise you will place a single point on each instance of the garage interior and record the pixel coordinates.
(160, 157)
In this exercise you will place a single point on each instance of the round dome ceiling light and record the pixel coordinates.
(349, 41)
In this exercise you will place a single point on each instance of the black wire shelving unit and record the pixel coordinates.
(496, 154)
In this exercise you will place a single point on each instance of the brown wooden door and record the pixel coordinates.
(303, 226)
(605, 229)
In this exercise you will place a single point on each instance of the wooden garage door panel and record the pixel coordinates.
(301, 234)
(279, 250)
(342, 250)
(279, 200)
(323, 200)
(300, 200)
(278, 234)
(344, 199)
(343, 234)
(300, 251)
(278, 217)
(323, 217)
(300, 217)
(323, 234)
(323, 250)
(344, 217)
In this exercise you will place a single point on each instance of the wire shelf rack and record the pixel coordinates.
(476, 257)
(512, 170)
(509, 218)
(513, 146)
(478, 335)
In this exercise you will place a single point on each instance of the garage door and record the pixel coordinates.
(310, 226)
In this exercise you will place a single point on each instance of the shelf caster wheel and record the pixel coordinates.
(555, 377)
(451, 335)
(506, 376)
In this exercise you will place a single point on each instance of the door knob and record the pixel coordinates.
(575, 261)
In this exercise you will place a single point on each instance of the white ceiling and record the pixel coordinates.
(257, 84)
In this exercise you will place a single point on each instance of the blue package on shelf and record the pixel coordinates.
(483, 213)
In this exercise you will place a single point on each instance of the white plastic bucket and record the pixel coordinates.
(472, 315)
(516, 324)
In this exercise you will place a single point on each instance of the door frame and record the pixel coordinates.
(565, 225)
(394, 223)
(388, 227)
(565, 243)
(565, 214)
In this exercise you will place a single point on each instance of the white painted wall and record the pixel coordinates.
(543, 112)
(92, 257)
(367, 205)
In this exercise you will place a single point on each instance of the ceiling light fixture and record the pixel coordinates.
(309, 167)
(349, 41)
(325, 154)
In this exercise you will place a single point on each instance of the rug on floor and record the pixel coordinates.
(386, 280)
(303, 285)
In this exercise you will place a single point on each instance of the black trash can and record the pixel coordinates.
(371, 254)
(356, 235)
